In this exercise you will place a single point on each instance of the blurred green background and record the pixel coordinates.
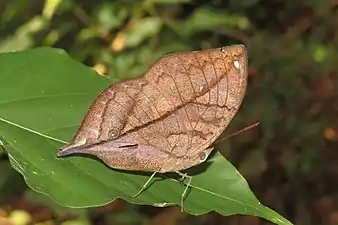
(290, 160)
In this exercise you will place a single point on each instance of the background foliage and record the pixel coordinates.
(290, 161)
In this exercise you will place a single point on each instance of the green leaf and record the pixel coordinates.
(141, 30)
(50, 7)
(169, 1)
(111, 15)
(209, 19)
(43, 98)
(22, 38)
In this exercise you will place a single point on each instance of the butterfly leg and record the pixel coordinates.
(144, 186)
(184, 176)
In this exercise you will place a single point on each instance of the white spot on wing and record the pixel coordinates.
(236, 64)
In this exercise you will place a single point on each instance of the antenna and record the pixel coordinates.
(238, 132)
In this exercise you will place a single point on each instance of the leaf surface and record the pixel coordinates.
(44, 96)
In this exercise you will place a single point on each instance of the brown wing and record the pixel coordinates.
(181, 105)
